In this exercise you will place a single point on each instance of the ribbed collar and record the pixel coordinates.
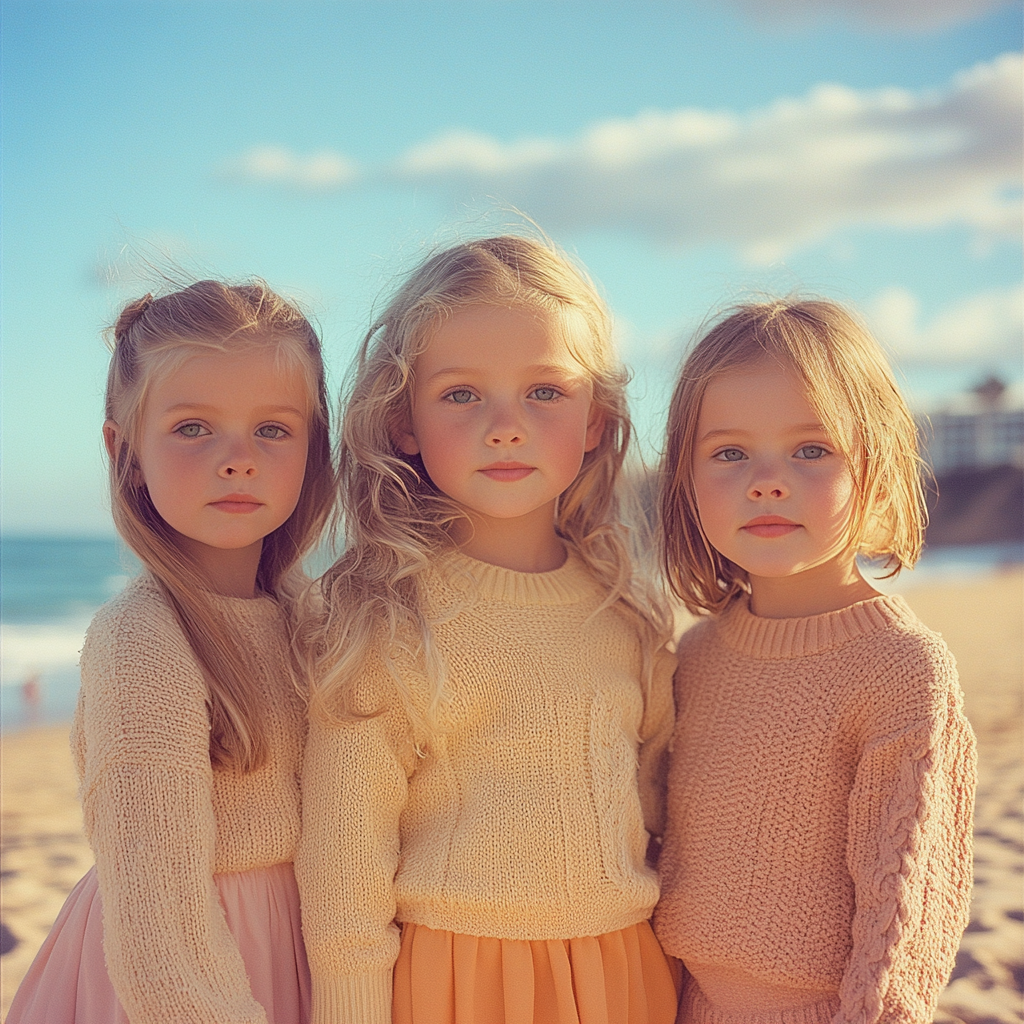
(470, 578)
(764, 638)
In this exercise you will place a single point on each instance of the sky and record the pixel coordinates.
(689, 154)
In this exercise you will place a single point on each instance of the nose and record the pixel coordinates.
(238, 462)
(505, 428)
(769, 483)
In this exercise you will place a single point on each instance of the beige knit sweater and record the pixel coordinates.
(523, 821)
(161, 820)
(817, 859)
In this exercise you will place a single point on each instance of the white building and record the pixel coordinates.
(984, 427)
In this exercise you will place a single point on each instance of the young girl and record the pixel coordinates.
(817, 861)
(471, 806)
(189, 728)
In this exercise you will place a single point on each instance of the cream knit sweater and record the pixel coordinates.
(523, 821)
(817, 859)
(161, 820)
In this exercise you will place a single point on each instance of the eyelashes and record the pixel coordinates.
(266, 431)
(544, 393)
(806, 453)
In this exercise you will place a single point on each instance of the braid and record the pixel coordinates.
(130, 314)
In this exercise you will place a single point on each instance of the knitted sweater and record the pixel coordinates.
(522, 821)
(162, 820)
(817, 859)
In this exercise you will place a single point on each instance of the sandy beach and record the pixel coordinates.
(44, 852)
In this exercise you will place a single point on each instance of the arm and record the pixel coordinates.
(354, 788)
(655, 734)
(147, 798)
(909, 853)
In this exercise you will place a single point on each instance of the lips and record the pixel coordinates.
(770, 526)
(237, 504)
(507, 471)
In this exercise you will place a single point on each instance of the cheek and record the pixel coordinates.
(716, 498)
(836, 499)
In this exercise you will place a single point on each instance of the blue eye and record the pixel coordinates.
(545, 394)
(271, 432)
(191, 430)
(812, 452)
(730, 455)
(461, 397)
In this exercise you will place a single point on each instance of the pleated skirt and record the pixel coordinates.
(68, 981)
(622, 977)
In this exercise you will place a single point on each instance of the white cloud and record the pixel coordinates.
(323, 170)
(986, 325)
(906, 14)
(769, 181)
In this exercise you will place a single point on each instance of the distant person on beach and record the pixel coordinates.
(189, 729)
(816, 866)
(491, 671)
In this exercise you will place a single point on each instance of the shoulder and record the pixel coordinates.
(907, 675)
(140, 608)
(137, 634)
(698, 637)
(911, 655)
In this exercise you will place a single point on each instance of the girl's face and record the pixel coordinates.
(502, 413)
(222, 448)
(773, 492)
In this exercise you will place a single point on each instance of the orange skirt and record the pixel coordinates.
(619, 978)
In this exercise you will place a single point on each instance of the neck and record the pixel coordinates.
(828, 587)
(525, 544)
(230, 572)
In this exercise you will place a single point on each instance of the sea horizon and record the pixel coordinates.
(52, 585)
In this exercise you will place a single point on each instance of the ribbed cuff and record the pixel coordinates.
(352, 999)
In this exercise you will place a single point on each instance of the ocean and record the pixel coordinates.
(51, 587)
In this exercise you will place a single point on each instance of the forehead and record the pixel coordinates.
(756, 396)
(488, 337)
(253, 374)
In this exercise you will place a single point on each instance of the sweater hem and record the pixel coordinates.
(352, 999)
(694, 1008)
(524, 933)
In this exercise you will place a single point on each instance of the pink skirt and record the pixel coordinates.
(68, 983)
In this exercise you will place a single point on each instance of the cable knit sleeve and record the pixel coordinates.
(655, 734)
(909, 853)
(147, 797)
(355, 782)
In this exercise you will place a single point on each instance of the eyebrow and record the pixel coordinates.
(800, 428)
(541, 370)
(267, 410)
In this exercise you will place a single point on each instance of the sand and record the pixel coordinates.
(44, 851)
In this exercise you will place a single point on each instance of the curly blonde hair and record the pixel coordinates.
(851, 387)
(396, 520)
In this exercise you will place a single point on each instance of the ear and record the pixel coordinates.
(403, 438)
(595, 427)
(112, 438)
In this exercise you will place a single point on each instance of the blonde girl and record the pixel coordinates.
(817, 862)
(189, 728)
(492, 709)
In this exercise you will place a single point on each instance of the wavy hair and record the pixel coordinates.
(395, 520)
(151, 338)
(851, 387)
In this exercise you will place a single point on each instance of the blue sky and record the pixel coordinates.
(688, 153)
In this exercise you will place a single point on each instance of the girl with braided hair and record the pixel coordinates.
(190, 725)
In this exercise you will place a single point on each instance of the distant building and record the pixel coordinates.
(984, 427)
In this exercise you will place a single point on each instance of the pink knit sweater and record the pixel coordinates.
(817, 862)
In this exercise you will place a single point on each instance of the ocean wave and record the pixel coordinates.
(39, 647)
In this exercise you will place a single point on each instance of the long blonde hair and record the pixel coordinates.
(153, 336)
(851, 387)
(395, 519)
